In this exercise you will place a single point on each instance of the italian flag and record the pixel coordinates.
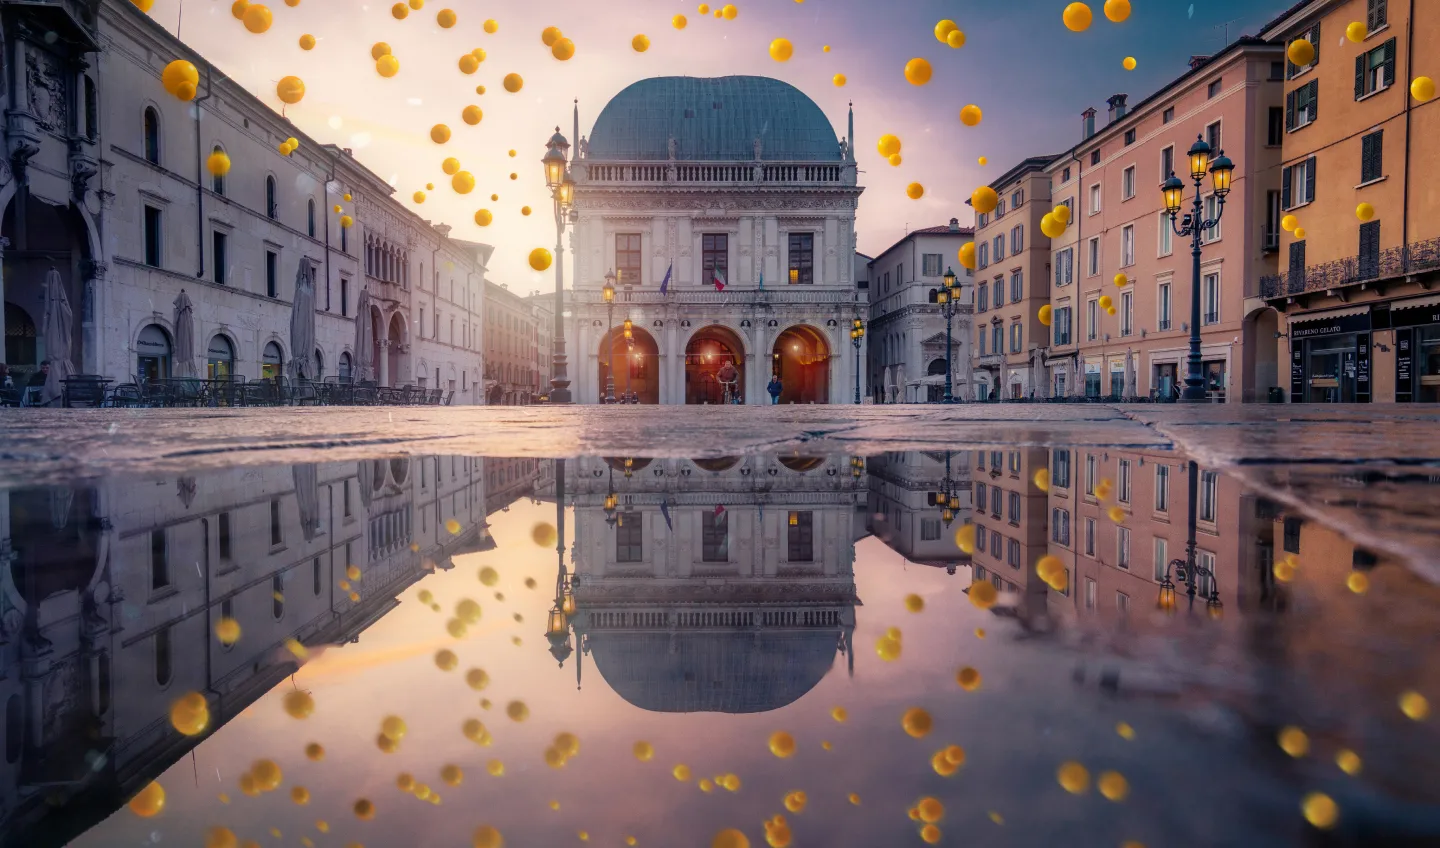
(719, 280)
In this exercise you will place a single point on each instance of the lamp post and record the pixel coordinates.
(946, 298)
(948, 496)
(562, 191)
(1188, 570)
(1194, 225)
(857, 335)
(557, 628)
(629, 350)
(608, 292)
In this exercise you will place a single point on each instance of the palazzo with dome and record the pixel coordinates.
(722, 210)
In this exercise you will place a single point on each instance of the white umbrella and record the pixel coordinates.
(1129, 373)
(58, 329)
(1038, 383)
(364, 365)
(184, 356)
(307, 497)
(302, 323)
(1077, 385)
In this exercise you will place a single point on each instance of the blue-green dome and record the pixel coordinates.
(713, 118)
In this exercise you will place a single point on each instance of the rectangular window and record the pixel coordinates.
(1167, 163)
(1311, 35)
(277, 537)
(1127, 183)
(1212, 137)
(714, 257)
(1162, 488)
(1127, 313)
(1168, 115)
(1129, 137)
(1090, 537)
(1291, 541)
(1092, 259)
(1092, 319)
(1300, 105)
(1375, 70)
(1094, 157)
(1162, 558)
(629, 537)
(1124, 495)
(997, 339)
(980, 488)
(1122, 547)
(1060, 469)
(1012, 553)
(715, 535)
(999, 289)
(1369, 257)
(1127, 246)
(627, 258)
(1167, 234)
(272, 274)
(1089, 594)
(1017, 286)
(1297, 184)
(1062, 325)
(979, 539)
(802, 259)
(1212, 213)
(982, 221)
(1209, 495)
(929, 529)
(1000, 209)
(1275, 127)
(1211, 91)
(801, 537)
(1060, 526)
(1014, 508)
(152, 236)
(1064, 176)
(995, 541)
(1017, 337)
(226, 550)
(999, 247)
(1205, 567)
(344, 296)
(1372, 156)
(345, 499)
(930, 264)
(1094, 198)
(1013, 461)
(159, 560)
(1375, 16)
(984, 343)
(1210, 291)
(1065, 267)
(982, 299)
(219, 242)
(1122, 603)
(1017, 239)
(995, 495)
(1090, 471)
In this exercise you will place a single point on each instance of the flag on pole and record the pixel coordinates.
(719, 280)
(665, 504)
(719, 510)
(665, 283)
(762, 280)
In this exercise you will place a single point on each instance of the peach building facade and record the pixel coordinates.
(1111, 181)
(1355, 297)
(1012, 281)
(1010, 525)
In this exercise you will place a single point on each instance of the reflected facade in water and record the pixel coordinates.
(714, 585)
(110, 593)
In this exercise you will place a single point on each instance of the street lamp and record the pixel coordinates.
(562, 191)
(948, 496)
(947, 297)
(857, 335)
(1194, 225)
(1188, 570)
(629, 349)
(608, 292)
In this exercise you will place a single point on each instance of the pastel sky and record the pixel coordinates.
(1030, 75)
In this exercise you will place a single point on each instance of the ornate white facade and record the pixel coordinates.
(682, 176)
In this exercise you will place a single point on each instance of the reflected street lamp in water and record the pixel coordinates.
(1188, 570)
(948, 496)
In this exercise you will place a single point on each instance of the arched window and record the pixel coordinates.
(152, 353)
(310, 218)
(152, 135)
(319, 364)
(344, 367)
(217, 182)
(272, 361)
(163, 668)
(219, 358)
(271, 209)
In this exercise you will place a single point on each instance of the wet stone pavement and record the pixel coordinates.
(874, 626)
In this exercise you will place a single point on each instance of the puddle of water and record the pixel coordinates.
(715, 603)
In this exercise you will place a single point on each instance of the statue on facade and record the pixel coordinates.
(584, 147)
(672, 148)
(757, 146)
(844, 150)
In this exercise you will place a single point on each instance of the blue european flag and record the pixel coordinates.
(665, 283)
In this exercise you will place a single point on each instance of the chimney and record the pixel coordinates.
(1117, 107)
(954, 225)
(1197, 61)
(1088, 123)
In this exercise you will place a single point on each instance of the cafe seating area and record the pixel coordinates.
(92, 390)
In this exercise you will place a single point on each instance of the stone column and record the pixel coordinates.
(4, 243)
(761, 376)
(672, 381)
(90, 328)
(384, 363)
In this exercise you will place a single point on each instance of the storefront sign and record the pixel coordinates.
(1362, 368)
(1303, 329)
(1297, 372)
(1416, 317)
(1404, 364)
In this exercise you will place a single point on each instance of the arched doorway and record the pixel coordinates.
(22, 342)
(707, 353)
(801, 357)
(272, 361)
(1262, 345)
(219, 358)
(344, 367)
(152, 353)
(43, 237)
(395, 352)
(636, 361)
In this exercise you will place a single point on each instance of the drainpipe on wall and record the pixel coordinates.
(1409, 69)
(200, 177)
(325, 211)
(1079, 219)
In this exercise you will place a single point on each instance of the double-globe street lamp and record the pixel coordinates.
(1195, 225)
(857, 336)
(1188, 570)
(608, 292)
(948, 298)
(562, 191)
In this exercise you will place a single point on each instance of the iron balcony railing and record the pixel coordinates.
(712, 173)
(731, 295)
(1388, 264)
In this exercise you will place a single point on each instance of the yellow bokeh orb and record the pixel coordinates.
(968, 678)
(298, 704)
(488, 575)
(143, 5)
(1046, 315)
(469, 63)
(704, 9)
(1289, 223)
(540, 259)
(267, 775)
(1117, 10)
(439, 133)
(730, 838)
(1364, 211)
(1320, 810)
(1050, 226)
(387, 66)
(379, 49)
(956, 39)
(782, 744)
(1113, 786)
(971, 115)
(1062, 214)
(917, 71)
(237, 9)
(227, 629)
(931, 834)
(394, 727)
(984, 200)
(914, 603)
(471, 115)
(1348, 761)
(257, 18)
(678, 22)
(917, 722)
(445, 659)
(563, 49)
(517, 711)
(445, 18)
(930, 810)
(364, 809)
(1356, 31)
(1073, 777)
(795, 801)
(315, 751)
(307, 42)
(965, 536)
(915, 191)
(1128, 63)
(491, 27)
(640, 43)
(1077, 17)
(290, 90)
(728, 11)
(148, 802)
(1300, 233)
(220, 837)
(1300, 52)
(1357, 582)
(1106, 301)
(983, 595)
(943, 29)
(1415, 706)
(400, 11)
(452, 774)
(513, 83)
(889, 145)
(888, 649)
(180, 78)
(549, 35)
(894, 159)
(543, 534)
(300, 795)
(463, 183)
(643, 751)
(418, 197)
(1422, 89)
(781, 49)
(838, 79)
(487, 837)
(1041, 477)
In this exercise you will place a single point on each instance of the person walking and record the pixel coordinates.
(775, 387)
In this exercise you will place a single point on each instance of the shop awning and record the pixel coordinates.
(1432, 300)
(1329, 314)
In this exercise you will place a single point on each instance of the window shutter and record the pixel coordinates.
(1314, 100)
(1360, 76)
(1315, 40)
(1285, 186)
(1375, 18)
(1310, 179)
(1290, 110)
(1389, 49)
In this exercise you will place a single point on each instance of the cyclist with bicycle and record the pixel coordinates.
(729, 377)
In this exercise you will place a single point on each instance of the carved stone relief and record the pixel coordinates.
(45, 80)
